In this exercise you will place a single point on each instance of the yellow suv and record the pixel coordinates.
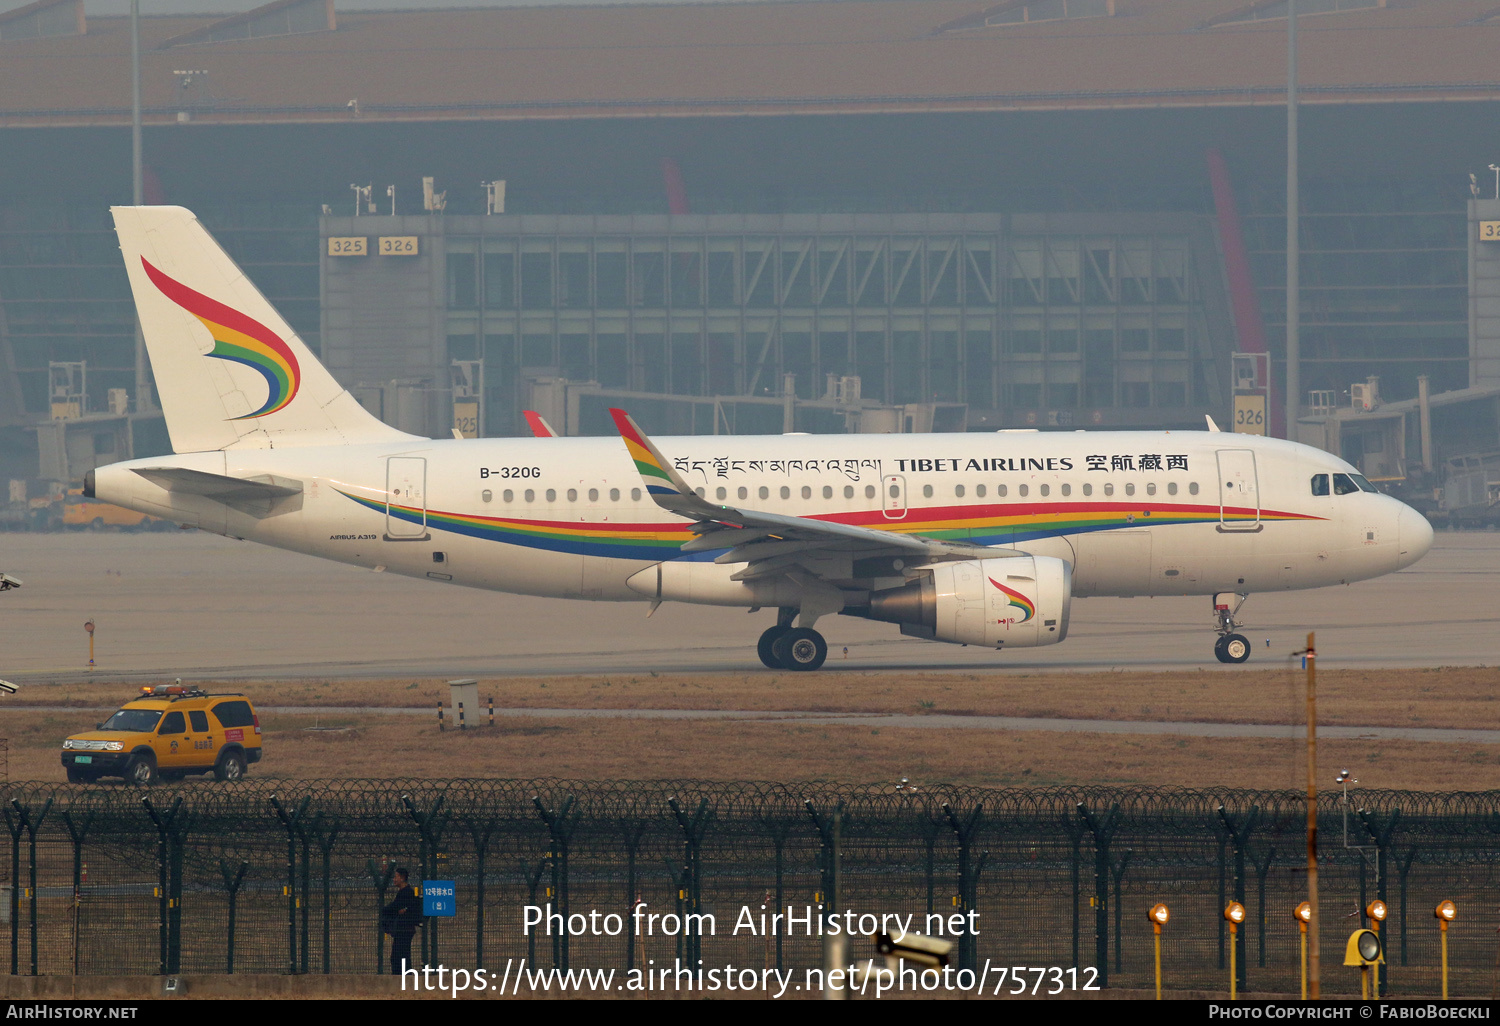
(167, 733)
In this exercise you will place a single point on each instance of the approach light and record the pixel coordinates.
(1159, 914)
(1303, 913)
(1377, 911)
(1445, 913)
(1235, 913)
(1363, 949)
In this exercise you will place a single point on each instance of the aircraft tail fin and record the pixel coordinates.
(230, 371)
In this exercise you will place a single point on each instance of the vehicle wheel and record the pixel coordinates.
(231, 767)
(142, 770)
(1233, 648)
(765, 648)
(97, 524)
(801, 649)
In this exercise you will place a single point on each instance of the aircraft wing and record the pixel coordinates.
(773, 542)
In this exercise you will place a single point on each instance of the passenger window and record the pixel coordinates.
(806, 492)
(1130, 489)
(895, 491)
(614, 495)
(927, 491)
(848, 491)
(1000, 491)
(172, 723)
(1109, 489)
(1022, 490)
(593, 495)
(199, 720)
(486, 496)
(551, 494)
(1046, 489)
(1088, 489)
(869, 491)
(1171, 487)
(721, 494)
(1320, 484)
(786, 493)
(827, 491)
(507, 496)
(979, 490)
(1192, 487)
(529, 495)
(1067, 489)
(572, 494)
(1150, 487)
(958, 490)
(744, 492)
(234, 714)
(699, 492)
(1343, 484)
(635, 495)
(764, 493)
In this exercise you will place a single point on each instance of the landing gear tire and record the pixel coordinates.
(1232, 648)
(765, 648)
(800, 648)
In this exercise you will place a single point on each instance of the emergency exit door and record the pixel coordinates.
(406, 497)
(1239, 491)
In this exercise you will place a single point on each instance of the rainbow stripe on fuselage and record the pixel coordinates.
(238, 339)
(990, 524)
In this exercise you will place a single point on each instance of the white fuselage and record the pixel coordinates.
(1134, 513)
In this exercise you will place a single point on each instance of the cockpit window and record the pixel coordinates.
(1320, 484)
(1343, 484)
(1364, 485)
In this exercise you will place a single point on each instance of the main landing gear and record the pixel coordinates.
(1231, 647)
(785, 647)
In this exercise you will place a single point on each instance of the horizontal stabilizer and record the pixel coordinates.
(262, 496)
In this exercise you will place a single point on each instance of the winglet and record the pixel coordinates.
(1212, 427)
(662, 482)
(538, 424)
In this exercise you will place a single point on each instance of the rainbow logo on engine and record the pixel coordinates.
(238, 339)
(1018, 600)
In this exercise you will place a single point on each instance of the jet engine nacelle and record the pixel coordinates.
(1005, 602)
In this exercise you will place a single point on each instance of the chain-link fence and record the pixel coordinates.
(289, 877)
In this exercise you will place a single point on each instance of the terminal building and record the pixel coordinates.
(837, 215)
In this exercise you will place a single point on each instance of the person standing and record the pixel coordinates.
(400, 920)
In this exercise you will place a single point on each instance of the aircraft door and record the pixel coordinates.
(406, 497)
(1239, 491)
(893, 496)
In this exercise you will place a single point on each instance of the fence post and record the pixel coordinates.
(968, 890)
(162, 890)
(289, 822)
(533, 881)
(381, 881)
(77, 834)
(1237, 831)
(630, 831)
(430, 826)
(1103, 829)
(15, 825)
(232, 883)
(325, 844)
(778, 830)
(481, 840)
(693, 829)
(562, 832)
(31, 826)
(1074, 830)
(1117, 870)
(1381, 833)
(1261, 869)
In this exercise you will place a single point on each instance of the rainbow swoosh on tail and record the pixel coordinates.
(238, 339)
(658, 481)
(1018, 600)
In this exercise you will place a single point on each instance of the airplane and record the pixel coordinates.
(973, 539)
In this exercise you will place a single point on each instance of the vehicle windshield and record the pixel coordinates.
(133, 720)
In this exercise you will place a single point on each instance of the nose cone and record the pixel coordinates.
(1413, 535)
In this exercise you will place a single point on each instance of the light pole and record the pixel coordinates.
(1235, 913)
(1496, 168)
(1158, 916)
(1303, 915)
(1444, 914)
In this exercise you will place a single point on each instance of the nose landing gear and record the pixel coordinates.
(785, 647)
(1230, 647)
